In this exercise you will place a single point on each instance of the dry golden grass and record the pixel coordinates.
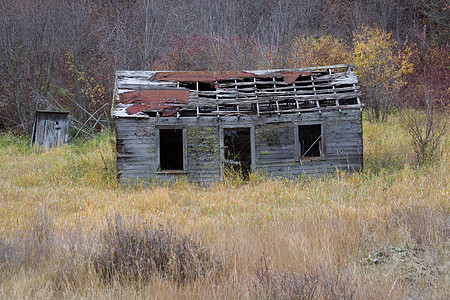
(381, 233)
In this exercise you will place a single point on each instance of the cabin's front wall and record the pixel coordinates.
(274, 145)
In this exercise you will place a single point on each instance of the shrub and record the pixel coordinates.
(133, 251)
(320, 283)
(125, 251)
(426, 122)
(29, 247)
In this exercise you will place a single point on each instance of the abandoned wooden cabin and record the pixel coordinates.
(283, 123)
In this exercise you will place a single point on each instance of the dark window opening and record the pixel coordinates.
(310, 139)
(171, 149)
(238, 150)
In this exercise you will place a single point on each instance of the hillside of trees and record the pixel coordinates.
(61, 54)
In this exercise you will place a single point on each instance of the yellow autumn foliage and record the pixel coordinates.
(94, 93)
(307, 51)
(380, 64)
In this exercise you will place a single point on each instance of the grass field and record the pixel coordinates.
(69, 231)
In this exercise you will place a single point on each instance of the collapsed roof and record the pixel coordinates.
(196, 93)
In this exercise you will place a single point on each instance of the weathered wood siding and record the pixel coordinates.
(272, 137)
(136, 141)
(203, 151)
(342, 144)
(137, 149)
(50, 129)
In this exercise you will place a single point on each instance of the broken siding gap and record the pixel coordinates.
(334, 92)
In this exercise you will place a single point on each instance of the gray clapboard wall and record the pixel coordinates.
(50, 129)
(272, 139)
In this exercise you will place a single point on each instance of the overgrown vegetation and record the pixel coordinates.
(381, 233)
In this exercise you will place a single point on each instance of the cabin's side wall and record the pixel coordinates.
(344, 141)
(274, 146)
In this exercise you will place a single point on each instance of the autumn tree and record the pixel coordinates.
(435, 14)
(27, 61)
(381, 66)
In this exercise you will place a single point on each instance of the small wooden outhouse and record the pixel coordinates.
(197, 125)
(50, 129)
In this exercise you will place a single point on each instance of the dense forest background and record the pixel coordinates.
(62, 54)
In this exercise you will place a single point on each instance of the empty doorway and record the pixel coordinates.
(237, 150)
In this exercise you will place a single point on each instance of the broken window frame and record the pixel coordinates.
(252, 144)
(158, 149)
(298, 155)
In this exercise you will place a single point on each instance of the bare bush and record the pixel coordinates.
(29, 247)
(139, 252)
(426, 121)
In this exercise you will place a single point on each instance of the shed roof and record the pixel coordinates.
(188, 93)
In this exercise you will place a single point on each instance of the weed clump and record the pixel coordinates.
(317, 284)
(29, 247)
(137, 251)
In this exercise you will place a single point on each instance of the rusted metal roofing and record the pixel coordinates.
(184, 93)
(167, 100)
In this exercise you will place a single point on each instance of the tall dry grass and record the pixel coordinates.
(381, 233)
